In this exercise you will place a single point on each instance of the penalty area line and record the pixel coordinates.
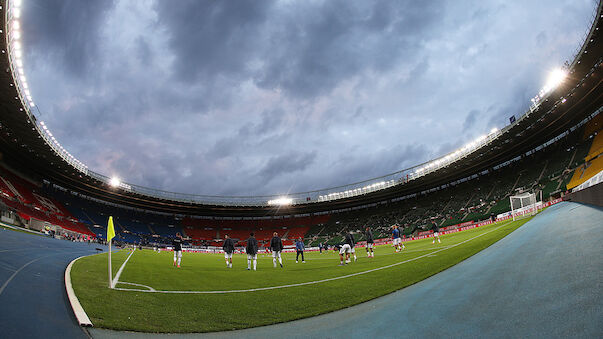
(151, 290)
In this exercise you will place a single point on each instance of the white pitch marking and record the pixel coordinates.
(141, 285)
(116, 279)
(309, 282)
(380, 255)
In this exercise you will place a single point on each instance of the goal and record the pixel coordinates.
(523, 205)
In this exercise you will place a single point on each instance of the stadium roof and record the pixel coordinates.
(27, 148)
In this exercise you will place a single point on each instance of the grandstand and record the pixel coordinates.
(546, 171)
(591, 163)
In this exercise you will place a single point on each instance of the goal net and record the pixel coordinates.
(524, 205)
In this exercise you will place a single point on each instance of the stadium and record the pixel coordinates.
(498, 238)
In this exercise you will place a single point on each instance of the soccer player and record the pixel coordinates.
(276, 245)
(228, 248)
(370, 242)
(397, 240)
(252, 251)
(344, 250)
(299, 246)
(177, 243)
(349, 239)
(436, 232)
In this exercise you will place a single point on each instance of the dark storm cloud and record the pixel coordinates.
(67, 30)
(212, 38)
(306, 49)
(261, 97)
(339, 40)
(287, 163)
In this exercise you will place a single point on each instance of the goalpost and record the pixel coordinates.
(524, 205)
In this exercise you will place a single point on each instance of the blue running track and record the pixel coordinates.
(32, 287)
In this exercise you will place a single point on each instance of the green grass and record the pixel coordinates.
(158, 312)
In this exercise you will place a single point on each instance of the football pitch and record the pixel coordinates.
(204, 295)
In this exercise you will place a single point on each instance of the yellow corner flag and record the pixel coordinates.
(110, 229)
(110, 235)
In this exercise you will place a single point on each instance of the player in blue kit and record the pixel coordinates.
(397, 239)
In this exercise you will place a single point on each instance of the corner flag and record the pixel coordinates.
(110, 229)
(110, 235)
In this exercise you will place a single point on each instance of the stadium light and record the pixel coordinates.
(114, 182)
(555, 78)
(494, 130)
(283, 201)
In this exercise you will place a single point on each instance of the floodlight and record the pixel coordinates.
(494, 130)
(555, 78)
(16, 35)
(281, 201)
(115, 182)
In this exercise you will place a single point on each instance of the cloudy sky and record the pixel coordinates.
(260, 97)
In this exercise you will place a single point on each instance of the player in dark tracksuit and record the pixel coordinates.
(252, 251)
(436, 233)
(177, 244)
(228, 248)
(370, 242)
(276, 245)
(349, 239)
(299, 247)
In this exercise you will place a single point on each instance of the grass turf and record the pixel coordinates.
(159, 312)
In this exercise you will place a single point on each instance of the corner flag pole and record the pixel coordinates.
(110, 278)
(110, 235)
